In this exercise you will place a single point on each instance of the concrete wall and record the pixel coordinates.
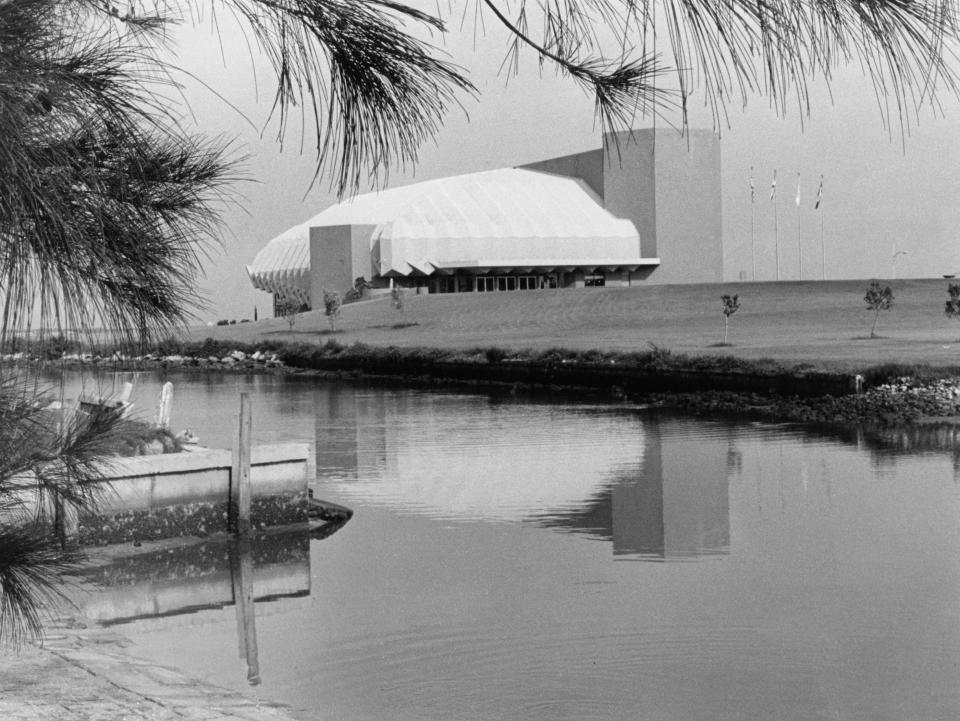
(145, 483)
(339, 254)
(587, 166)
(629, 188)
(669, 186)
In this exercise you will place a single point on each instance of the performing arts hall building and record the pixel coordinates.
(644, 209)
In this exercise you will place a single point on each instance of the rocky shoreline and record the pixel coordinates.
(718, 385)
(902, 402)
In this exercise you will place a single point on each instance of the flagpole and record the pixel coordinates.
(753, 241)
(823, 250)
(776, 237)
(776, 223)
(799, 246)
(799, 237)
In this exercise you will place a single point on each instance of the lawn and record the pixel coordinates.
(825, 324)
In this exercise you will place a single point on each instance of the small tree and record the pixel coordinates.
(731, 305)
(288, 309)
(360, 286)
(331, 307)
(878, 298)
(396, 298)
(952, 308)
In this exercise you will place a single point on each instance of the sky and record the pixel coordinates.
(886, 193)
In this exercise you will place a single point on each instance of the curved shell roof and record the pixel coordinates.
(503, 217)
(283, 265)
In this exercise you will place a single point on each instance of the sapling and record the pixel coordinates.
(731, 304)
(331, 307)
(288, 309)
(877, 298)
(952, 308)
(396, 298)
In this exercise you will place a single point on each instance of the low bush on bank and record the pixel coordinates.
(891, 404)
(138, 438)
(318, 356)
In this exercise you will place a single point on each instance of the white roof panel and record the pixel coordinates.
(508, 216)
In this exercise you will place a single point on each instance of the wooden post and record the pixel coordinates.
(240, 473)
(163, 409)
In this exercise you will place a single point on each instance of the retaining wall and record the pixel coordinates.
(178, 494)
(600, 376)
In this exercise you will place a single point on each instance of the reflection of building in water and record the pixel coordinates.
(350, 429)
(466, 457)
(673, 505)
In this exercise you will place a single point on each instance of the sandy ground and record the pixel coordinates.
(88, 676)
(820, 323)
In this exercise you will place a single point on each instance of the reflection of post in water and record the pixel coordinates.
(241, 571)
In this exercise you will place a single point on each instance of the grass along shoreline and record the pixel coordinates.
(794, 351)
(891, 394)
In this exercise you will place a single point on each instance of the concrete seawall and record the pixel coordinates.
(596, 376)
(177, 494)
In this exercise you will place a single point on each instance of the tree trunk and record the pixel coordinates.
(873, 329)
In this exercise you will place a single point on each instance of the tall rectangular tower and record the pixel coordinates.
(668, 184)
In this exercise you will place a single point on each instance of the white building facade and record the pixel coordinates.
(590, 219)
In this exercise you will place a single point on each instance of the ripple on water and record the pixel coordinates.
(549, 673)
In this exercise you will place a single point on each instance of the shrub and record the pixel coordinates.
(494, 354)
(952, 307)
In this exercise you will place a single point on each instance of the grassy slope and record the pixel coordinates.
(824, 324)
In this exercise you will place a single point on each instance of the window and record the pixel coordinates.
(594, 280)
(446, 285)
(485, 284)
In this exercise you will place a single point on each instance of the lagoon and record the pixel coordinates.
(538, 558)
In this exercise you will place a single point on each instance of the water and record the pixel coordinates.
(512, 559)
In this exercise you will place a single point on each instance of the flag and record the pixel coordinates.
(816, 206)
(773, 186)
(751, 185)
(798, 190)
